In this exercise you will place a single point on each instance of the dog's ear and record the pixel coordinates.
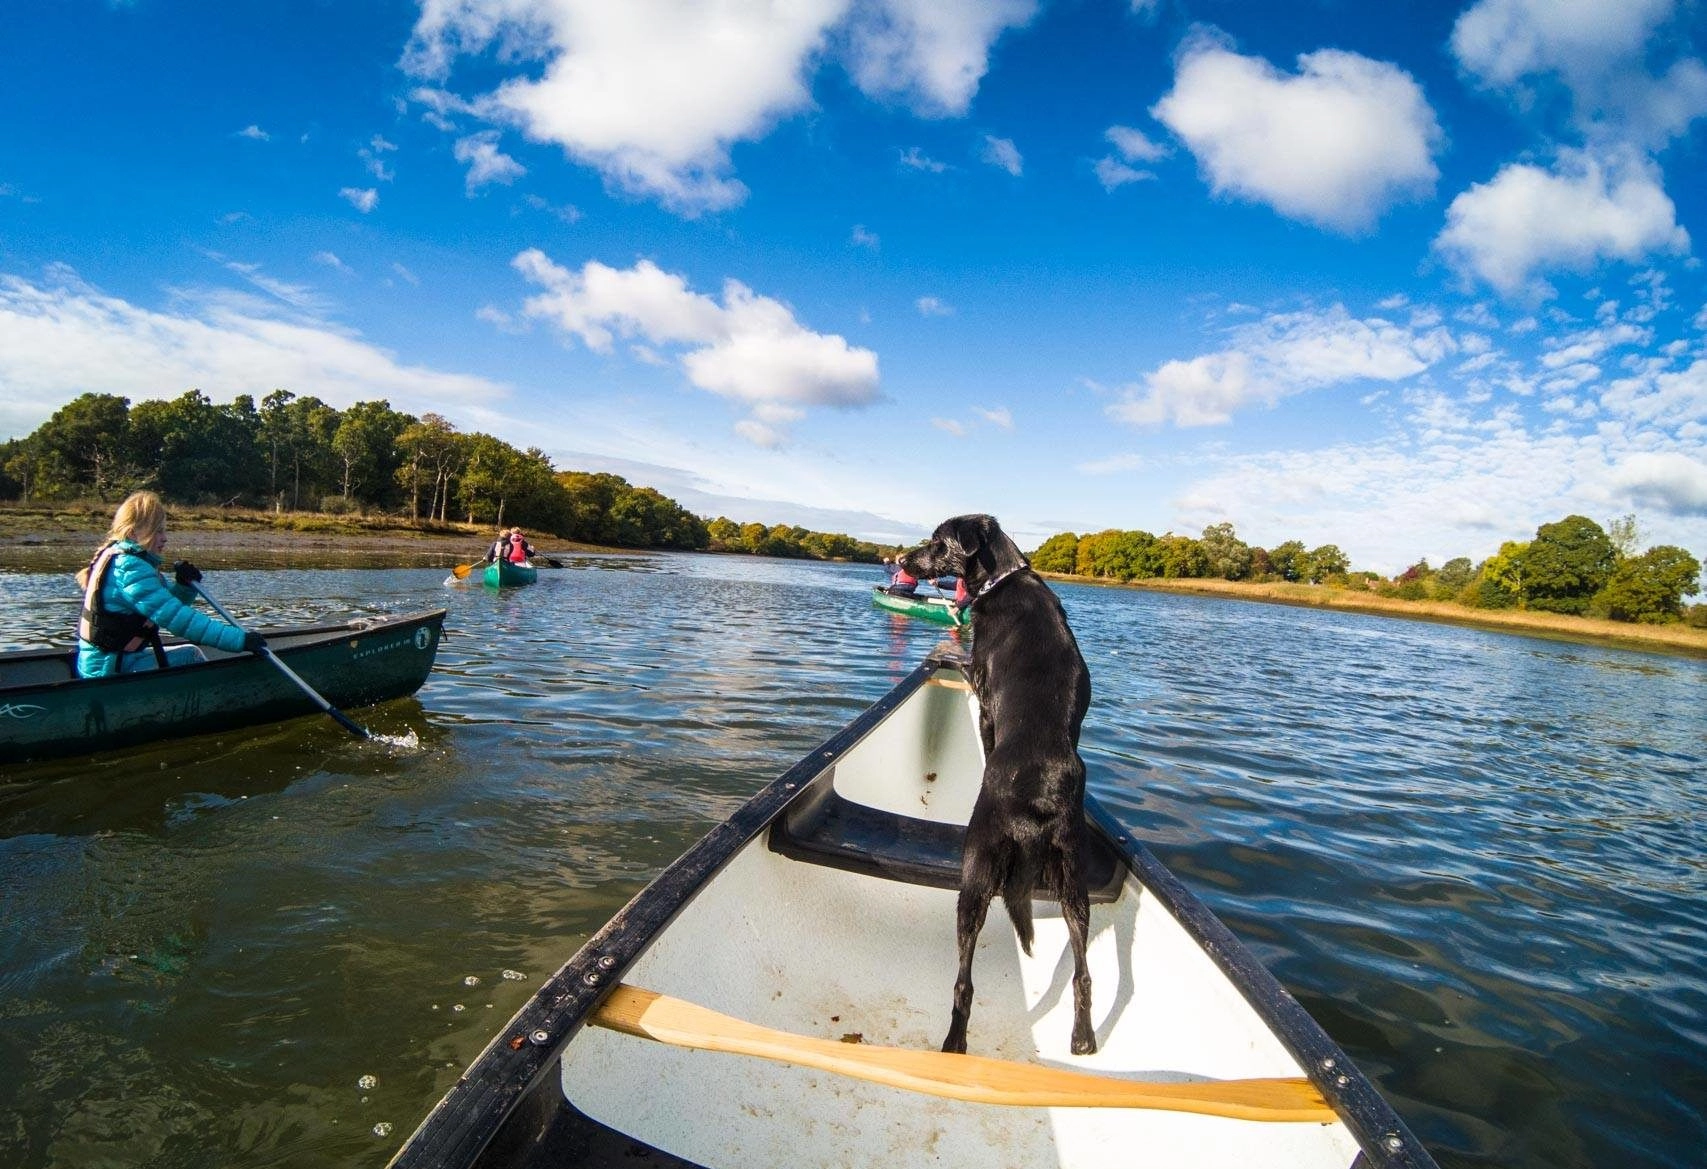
(983, 543)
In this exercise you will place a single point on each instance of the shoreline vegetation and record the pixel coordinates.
(43, 537)
(1673, 638)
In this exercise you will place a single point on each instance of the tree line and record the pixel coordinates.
(297, 453)
(1571, 566)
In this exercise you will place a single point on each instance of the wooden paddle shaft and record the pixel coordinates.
(635, 1011)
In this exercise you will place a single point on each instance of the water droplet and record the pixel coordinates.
(366, 1083)
(471, 980)
(514, 976)
(459, 1007)
(382, 1129)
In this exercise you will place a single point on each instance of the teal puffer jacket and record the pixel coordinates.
(134, 585)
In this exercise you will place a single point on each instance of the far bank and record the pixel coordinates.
(1678, 638)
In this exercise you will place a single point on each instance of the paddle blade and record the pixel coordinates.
(461, 570)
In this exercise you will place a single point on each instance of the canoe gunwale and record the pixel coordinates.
(511, 1075)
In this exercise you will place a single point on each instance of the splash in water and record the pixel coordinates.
(408, 741)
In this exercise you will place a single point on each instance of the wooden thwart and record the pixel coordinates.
(635, 1011)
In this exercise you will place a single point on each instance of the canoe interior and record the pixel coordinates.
(834, 953)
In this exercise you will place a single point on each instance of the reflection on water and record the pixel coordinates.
(1478, 859)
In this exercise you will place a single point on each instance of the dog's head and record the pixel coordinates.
(972, 547)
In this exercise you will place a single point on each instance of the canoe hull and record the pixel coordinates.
(825, 907)
(504, 574)
(46, 712)
(935, 609)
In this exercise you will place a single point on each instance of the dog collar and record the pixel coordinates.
(1024, 566)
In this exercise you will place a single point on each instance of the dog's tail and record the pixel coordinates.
(1016, 895)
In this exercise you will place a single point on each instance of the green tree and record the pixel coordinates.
(1455, 574)
(1567, 563)
(1056, 554)
(1289, 561)
(1229, 557)
(1181, 556)
(1327, 561)
(428, 453)
(365, 444)
(1650, 588)
(83, 448)
(197, 450)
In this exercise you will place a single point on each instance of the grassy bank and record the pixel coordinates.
(1680, 639)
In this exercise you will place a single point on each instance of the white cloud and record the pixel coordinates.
(404, 274)
(1335, 144)
(1283, 355)
(1601, 53)
(1135, 145)
(747, 348)
(957, 429)
(1113, 174)
(485, 162)
(930, 54)
(254, 132)
(363, 200)
(1526, 221)
(863, 238)
(999, 416)
(331, 260)
(60, 338)
(930, 306)
(1670, 480)
(631, 90)
(919, 160)
(1001, 152)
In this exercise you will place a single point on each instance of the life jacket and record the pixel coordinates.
(518, 550)
(109, 631)
(903, 577)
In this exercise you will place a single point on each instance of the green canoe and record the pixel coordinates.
(503, 574)
(46, 710)
(935, 609)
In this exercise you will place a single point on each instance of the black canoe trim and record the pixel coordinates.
(519, 1059)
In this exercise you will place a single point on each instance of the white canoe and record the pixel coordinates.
(824, 908)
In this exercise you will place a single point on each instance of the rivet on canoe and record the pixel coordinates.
(1393, 1142)
(1342, 1080)
(540, 1038)
(606, 962)
(592, 978)
(1328, 1064)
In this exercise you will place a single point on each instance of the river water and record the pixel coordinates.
(1480, 860)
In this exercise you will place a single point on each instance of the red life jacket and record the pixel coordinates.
(518, 550)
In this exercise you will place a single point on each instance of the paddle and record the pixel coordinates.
(635, 1011)
(266, 652)
(954, 614)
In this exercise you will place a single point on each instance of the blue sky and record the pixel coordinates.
(1407, 277)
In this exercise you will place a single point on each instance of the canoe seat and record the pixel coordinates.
(821, 827)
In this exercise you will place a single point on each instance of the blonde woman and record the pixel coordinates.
(127, 602)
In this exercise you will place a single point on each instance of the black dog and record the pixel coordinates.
(1027, 827)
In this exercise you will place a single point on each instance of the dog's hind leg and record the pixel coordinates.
(1076, 912)
(970, 911)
